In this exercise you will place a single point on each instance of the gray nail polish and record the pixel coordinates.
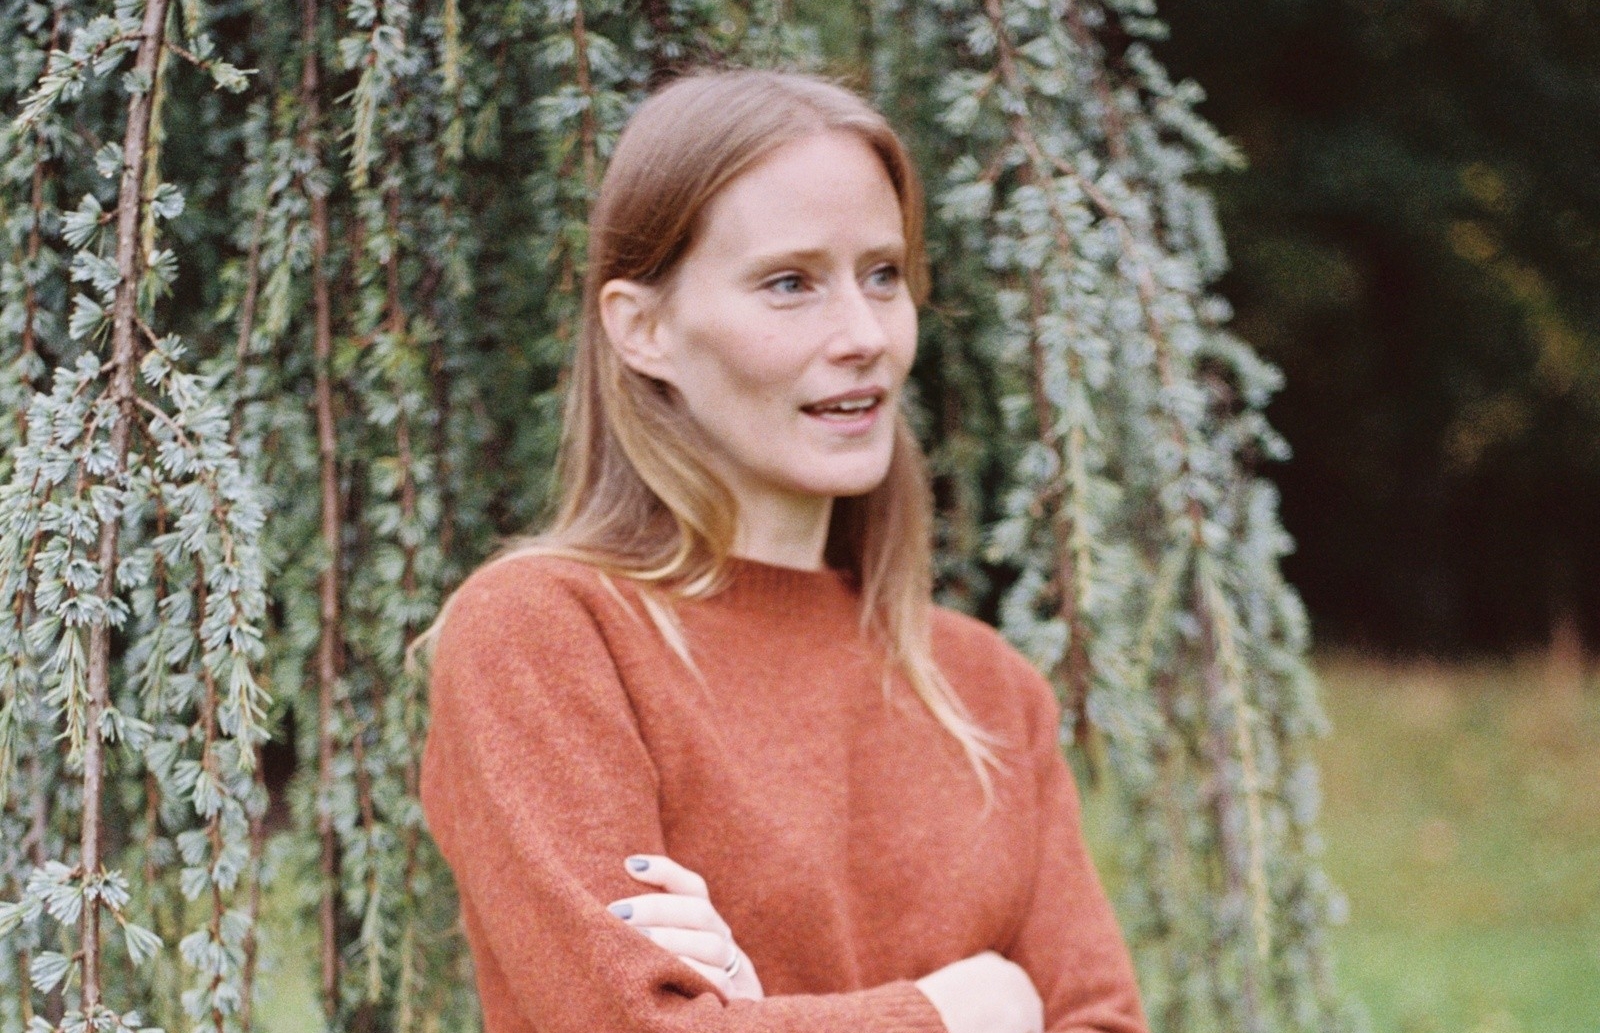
(621, 909)
(638, 864)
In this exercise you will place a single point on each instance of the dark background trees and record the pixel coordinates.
(1417, 245)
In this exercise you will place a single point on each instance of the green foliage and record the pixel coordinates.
(125, 511)
(286, 360)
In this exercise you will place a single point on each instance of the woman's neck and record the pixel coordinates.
(784, 532)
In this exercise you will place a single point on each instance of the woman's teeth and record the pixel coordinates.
(847, 408)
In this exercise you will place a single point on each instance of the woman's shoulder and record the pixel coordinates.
(968, 640)
(988, 671)
(528, 596)
(521, 579)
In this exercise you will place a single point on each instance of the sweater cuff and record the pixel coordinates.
(899, 1007)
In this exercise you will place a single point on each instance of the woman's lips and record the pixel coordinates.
(858, 400)
(853, 412)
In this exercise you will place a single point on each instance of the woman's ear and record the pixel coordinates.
(628, 313)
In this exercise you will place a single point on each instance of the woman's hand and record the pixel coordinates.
(984, 994)
(683, 921)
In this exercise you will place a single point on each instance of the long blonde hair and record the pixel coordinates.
(636, 500)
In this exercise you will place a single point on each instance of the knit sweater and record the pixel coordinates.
(840, 829)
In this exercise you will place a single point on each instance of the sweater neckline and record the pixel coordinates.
(757, 583)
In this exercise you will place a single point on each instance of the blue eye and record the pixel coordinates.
(886, 275)
(783, 282)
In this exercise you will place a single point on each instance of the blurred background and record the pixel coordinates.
(1417, 245)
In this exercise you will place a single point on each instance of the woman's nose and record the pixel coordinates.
(859, 335)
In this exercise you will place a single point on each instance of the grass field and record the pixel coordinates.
(1462, 815)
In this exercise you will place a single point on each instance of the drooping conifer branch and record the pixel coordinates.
(252, 938)
(1222, 676)
(247, 314)
(210, 769)
(329, 648)
(1084, 211)
(1062, 433)
(30, 302)
(587, 131)
(121, 394)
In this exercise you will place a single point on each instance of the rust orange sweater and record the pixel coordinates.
(840, 831)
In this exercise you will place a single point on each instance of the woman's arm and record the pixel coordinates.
(981, 994)
(1069, 942)
(536, 784)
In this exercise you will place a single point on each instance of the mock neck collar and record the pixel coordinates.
(757, 584)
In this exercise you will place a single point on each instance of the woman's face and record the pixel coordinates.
(787, 329)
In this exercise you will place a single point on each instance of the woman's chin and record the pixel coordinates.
(850, 485)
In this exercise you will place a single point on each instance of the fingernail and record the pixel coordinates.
(621, 909)
(638, 864)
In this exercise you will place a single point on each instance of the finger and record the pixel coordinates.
(659, 870)
(670, 909)
(715, 976)
(710, 948)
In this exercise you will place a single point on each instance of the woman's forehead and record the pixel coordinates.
(809, 194)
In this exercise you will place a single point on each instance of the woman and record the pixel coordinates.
(703, 755)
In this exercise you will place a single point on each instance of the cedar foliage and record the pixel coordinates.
(285, 295)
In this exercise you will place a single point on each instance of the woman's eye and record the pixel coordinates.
(788, 284)
(885, 275)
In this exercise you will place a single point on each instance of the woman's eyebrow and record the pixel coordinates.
(891, 249)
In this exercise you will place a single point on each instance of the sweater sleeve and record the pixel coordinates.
(536, 784)
(1069, 942)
